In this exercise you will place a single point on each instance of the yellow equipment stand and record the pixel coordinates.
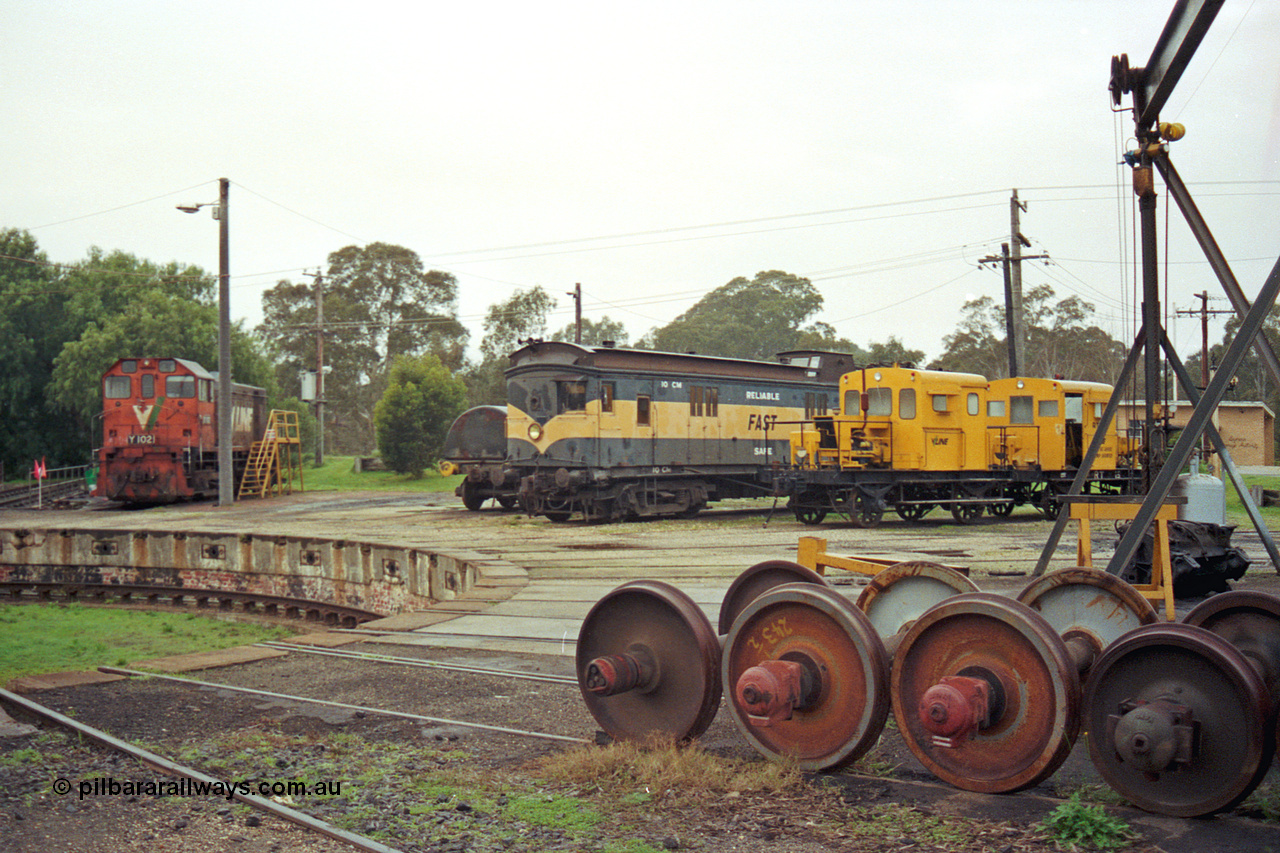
(1087, 509)
(812, 554)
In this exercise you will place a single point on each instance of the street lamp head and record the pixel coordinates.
(189, 208)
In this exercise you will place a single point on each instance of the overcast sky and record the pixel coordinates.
(651, 152)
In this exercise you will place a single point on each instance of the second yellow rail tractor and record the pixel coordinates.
(915, 440)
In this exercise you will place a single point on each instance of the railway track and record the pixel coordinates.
(248, 603)
(49, 494)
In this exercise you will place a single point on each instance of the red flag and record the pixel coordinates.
(41, 472)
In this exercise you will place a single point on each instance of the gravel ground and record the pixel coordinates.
(445, 789)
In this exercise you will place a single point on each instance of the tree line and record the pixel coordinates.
(396, 352)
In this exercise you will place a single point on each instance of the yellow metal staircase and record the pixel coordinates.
(275, 459)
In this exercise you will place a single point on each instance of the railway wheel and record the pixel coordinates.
(1001, 509)
(912, 512)
(471, 497)
(758, 580)
(865, 510)
(1250, 621)
(1089, 609)
(985, 694)
(807, 677)
(810, 515)
(1178, 720)
(896, 597)
(966, 512)
(648, 663)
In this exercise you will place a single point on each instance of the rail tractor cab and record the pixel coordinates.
(899, 418)
(1046, 424)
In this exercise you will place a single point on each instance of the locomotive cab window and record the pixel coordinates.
(129, 365)
(148, 385)
(1074, 408)
(907, 403)
(117, 387)
(571, 396)
(180, 387)
(167, 365)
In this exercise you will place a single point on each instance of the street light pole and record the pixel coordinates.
(226, 471)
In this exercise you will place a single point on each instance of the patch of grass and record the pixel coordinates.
(1077, 826)
(554, 810)
(337, 474)
(37, 638)
(640, 771)
(1264, 802)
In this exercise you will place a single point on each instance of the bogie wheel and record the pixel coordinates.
(1089, 609)
(471, 497)
(807, 677)
(965, 513)
(1250, 621)
(1001, 509)
(758, 580)
(985, 694)
(896, 597)
(1178, 720)
(912, 512)
(810, 515)
(865, 511)
(648, 663)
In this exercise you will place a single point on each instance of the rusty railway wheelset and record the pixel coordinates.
(989, 692)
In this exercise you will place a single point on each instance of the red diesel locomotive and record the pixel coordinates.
(160, 430)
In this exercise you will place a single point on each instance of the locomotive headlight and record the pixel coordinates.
(535, 431)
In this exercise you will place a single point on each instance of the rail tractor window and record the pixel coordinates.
(167, 365)
(1074, 405)
(606, 396)
(180, 387)
(1048, 408)
(879, 402)
(940, 402)
(972, 404)
(907, 404)
(1022, 410)
(571, 396)
(117, 387)
(995, 408)
(148, 385)
(642, 410)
